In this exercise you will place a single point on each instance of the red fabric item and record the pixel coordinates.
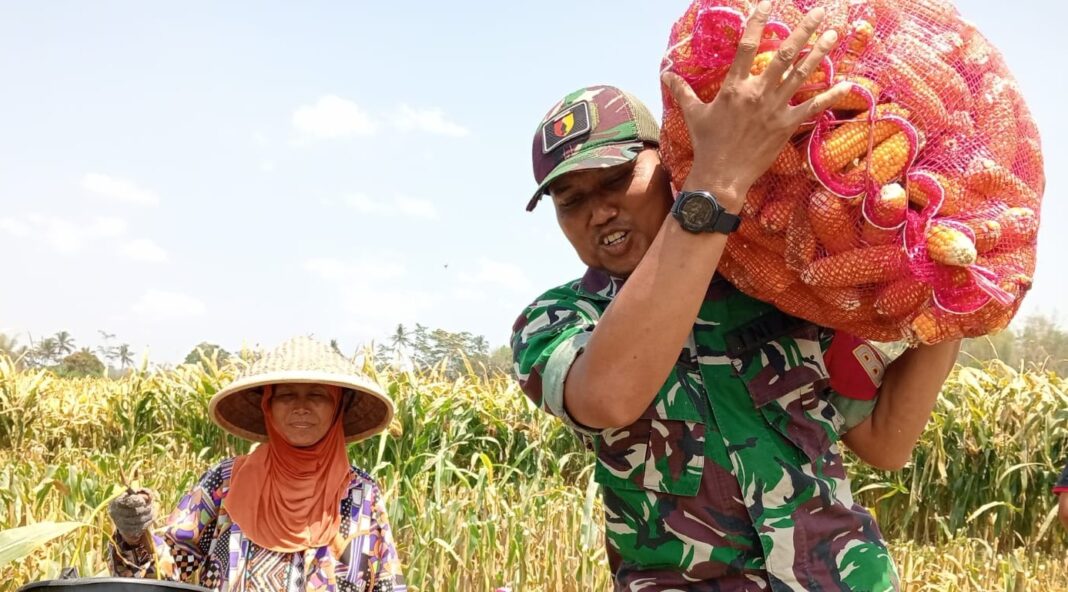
(856, 367)
(286, 498)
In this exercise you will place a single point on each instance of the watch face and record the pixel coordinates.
(697, 210)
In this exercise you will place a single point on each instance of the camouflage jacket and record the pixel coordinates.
(732, 479)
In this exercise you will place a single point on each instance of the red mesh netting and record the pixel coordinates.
(908, 211)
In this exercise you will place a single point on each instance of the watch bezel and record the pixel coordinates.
(680, 203)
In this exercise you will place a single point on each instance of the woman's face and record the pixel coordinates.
(302, 412)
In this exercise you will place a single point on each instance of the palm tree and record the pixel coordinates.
(47, 350)
(9, 346)
(124, 355)
(64, 343)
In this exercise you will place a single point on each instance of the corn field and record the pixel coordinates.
(485, 491)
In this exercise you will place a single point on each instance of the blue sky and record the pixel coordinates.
(241, 172)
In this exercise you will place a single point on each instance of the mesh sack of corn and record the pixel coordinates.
(909, 211)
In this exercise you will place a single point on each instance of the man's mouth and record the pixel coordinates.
(614, 239)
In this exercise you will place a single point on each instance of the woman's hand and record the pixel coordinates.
(738, 135)
(133, 512)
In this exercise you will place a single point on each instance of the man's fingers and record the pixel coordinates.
(804, 70)
(680, 90)
(811, 108)
(791, 48)
(750, 42)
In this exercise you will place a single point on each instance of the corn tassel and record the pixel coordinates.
(865, 265)
(902, 298)
(833, 221)
(949, 246)
(848, 143)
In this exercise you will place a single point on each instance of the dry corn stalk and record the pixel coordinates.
(950, 246)
(857, 267)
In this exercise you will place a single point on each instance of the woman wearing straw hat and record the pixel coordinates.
(290, 516)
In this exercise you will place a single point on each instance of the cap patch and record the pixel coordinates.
(568, 125)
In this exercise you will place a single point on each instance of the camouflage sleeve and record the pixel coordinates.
(856, 370)
(546, 340)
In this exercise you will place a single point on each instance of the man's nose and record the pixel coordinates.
(605, 208)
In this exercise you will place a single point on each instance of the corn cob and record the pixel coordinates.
(949, 246)
(864, 265)
(1030, 164)
(953, 194)
(928, 329)
(996, 100)
(753, 232)
(766, 270)
(888, 209)
(848, 143)
(788, 162)
(851, 101)
(857, 39)
(871, 234)
(801, 246)
(977, 54)
(833, 221)
(1019, 226)
(887, 161)
(846, 299)
(755, 198)
(941, 77)
(913, 91)
(987, 233)
(902, 298)
(776, 214)
(990, 179)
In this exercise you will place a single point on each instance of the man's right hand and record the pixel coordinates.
(739, 134)
(133, 512)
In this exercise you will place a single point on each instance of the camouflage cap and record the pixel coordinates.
(593, 127)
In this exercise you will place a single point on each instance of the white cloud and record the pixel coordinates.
(161, 305)
(499, 275)
(143, 249)
(62, 235)
(333, 117)
(119, 189)
(432, 121)
(399, 206)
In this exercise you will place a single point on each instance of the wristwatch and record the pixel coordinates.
(698, 211)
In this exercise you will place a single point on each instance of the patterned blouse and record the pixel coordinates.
(200, 544)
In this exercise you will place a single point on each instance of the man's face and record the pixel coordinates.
(611, 215)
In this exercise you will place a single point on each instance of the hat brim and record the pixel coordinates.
(236, 408)
(600, 157)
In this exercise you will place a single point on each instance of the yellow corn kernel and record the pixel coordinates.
(941, 77)
(776, 214)
(990, 179)
(912, 89)
(950, 246)
(928, 329)
(887, 161)
(856, 267)
(902, 298)
(766, 271)
(788, 162)
(1019, 226)
(987, 233)
(833, 221)
(848, 143)
(890, 207)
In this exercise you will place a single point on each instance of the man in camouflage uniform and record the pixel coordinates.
(715, 418)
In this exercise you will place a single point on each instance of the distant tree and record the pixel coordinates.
(1037, 340)
(432, 347)
(80, 363)
(9, 346)
(124, 355)
(500, 361)
(46, 352)
(204, 351)
(64, 343)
